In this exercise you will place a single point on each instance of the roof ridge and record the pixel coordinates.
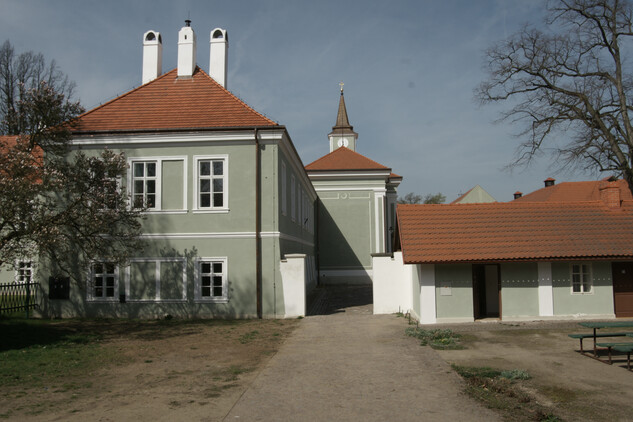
(235, 97)
(344, 150)
(125, 94)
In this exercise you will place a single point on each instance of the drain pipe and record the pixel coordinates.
(258, 225)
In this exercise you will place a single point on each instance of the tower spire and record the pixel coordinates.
(342, 132)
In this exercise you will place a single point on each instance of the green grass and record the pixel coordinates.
(436, 338)
(38, 353)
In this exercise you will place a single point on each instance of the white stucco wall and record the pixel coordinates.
(295, 281)
(392, 284)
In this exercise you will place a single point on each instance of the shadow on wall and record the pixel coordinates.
(336, 252)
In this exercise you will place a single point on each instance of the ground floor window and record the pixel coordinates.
(23, 272)
(104, 281)
(211, 279)
(581, 281)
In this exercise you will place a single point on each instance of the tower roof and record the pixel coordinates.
(342, 125)
(347, 160)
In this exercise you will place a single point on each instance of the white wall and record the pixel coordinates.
(391, 284)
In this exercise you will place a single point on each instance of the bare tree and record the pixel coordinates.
(56, 203)
(412, 198)
(573, 80)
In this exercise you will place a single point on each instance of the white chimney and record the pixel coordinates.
(186, 50)
(152, 56)
(218, 55)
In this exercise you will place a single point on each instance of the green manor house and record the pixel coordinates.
(238, 227)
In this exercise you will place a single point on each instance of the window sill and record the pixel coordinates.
(109, 300)
(211, 211)
(150, 212)
(218, 300)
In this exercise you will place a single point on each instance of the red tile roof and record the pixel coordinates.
(347, 160)
(169, 102)
(573, 191)
(514, 231)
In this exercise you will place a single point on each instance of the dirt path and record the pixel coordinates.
(351, 365)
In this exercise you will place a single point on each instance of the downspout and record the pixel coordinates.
(317, 251)
(258, 224)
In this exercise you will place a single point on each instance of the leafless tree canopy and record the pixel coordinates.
(56, 203)
(575, 80)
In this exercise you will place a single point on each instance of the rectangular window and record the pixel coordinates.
(104, 281)
(581, 281)
(144, 184)
(293, 199)
(284, 196)
(211, 183)
(211, 283)
(23, 272)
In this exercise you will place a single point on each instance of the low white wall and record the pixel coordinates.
(295, 282)
(391, 284)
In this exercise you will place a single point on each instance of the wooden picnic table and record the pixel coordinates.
(596, 325)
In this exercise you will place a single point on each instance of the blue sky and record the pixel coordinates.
(409, 69)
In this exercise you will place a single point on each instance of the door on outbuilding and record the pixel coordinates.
(623, 289)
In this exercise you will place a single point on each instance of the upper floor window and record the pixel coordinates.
(581, 281)
(145, 184)
(284, 195)
(293, 199)
(211, 183)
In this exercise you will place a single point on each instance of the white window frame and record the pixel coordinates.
(91, 282)
(157, 298)
(293, 198)
(581, 275)
(156, 178)
(284, 193)
(198, 280)
(196, 184)
(159, 182)
(17, 277)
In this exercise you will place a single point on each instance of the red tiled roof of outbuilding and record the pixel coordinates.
(169, 102)
(573, 191)
(515, 231)
(347, 160)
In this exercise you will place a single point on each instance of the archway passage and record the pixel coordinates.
(623, 289)
(333, 299)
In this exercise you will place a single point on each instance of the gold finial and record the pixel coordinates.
(341, 85)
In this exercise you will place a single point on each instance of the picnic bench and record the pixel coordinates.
(622, 348)
(618, 347)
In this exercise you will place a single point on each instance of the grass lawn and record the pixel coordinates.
(81, 369)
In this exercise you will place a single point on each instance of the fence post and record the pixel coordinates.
(28, 299)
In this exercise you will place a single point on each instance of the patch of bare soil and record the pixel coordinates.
(572, 386)
(160, 372)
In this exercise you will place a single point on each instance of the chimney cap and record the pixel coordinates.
(518, 194)
(550, 181)
(187, 22)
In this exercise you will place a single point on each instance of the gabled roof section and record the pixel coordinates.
(513, 231)
(474, 195)
(573, 191)
(169, 102)
(344, 159)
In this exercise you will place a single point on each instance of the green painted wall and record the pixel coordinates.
(599, 301)
(519, 289)
(459, 278)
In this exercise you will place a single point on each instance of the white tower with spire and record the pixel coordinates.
(342, 134)
(186, 50)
